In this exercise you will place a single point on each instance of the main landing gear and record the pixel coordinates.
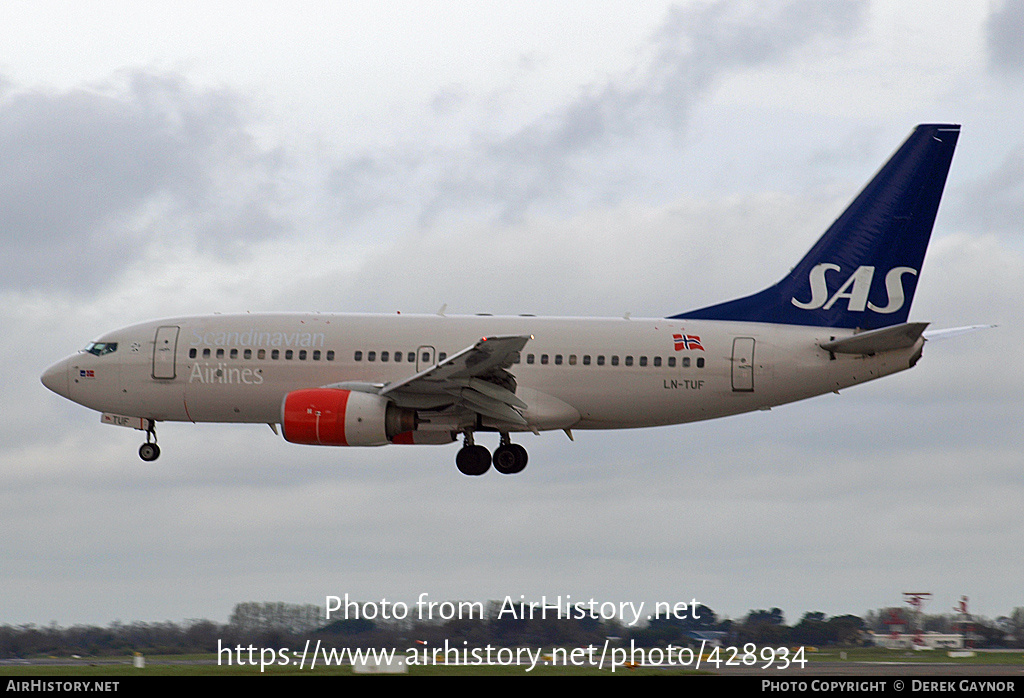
(149, 451)
(508, 458)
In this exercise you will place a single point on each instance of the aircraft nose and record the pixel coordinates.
(56, 378)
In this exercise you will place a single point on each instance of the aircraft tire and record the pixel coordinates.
(149, 452)
(473, 460)
(510, 459)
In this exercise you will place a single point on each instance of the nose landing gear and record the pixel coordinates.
(149, 451)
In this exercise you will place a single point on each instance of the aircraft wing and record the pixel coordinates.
(475, 378)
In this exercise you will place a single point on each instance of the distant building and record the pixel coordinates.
(927, 641)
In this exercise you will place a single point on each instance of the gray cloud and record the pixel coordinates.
(1005, 37)
(81, 167)
(995, 204)
(693, 49)
(448, 99)
(538, 164)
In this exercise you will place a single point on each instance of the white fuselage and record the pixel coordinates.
(574, 373)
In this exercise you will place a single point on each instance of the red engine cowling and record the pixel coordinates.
(330, 417)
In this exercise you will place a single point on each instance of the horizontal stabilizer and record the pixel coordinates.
(878, 341)
(937, 335)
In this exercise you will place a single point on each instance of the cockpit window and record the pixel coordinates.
(101, 348)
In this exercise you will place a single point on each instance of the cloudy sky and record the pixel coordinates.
(571, 158)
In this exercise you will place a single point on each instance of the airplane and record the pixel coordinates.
(837, 319)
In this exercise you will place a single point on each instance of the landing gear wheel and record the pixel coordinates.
(510, 459)
(473, 460)
(149, 451)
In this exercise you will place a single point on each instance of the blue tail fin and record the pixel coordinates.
(863, 271)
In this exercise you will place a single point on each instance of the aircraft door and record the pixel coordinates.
(165, 347)
(424, 358)
(743, 365)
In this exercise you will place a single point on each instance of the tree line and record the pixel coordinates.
(277, 624)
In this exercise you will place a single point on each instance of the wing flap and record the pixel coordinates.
(492, 391)
(489, 407)
(487, 355)
(474, 379)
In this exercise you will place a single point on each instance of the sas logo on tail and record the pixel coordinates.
(687, 341)
(855, 290)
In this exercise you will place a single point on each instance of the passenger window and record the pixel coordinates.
(516, 357)
(425, 358)
(615, 360)
(544, 359)
(192, 353)
(371, 356)
(643, 360)
(686, 362)
(529, 358)
(629, 360)
(558, 359)
(288, 354)
(302, 354)
(700, 363)
(657, 361)
(220, 353)
(330, 355)
(275, 354)
(248, 353)
(672, 362)
(572, 359)
(600, 360)
(442, 356)
(359, 356)
(316, 355)
(261, 354)
(586, 359)
(384, 356)
(398, 357)
(206, 353)
(234, 353)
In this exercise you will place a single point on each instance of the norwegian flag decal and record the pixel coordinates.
(687, 341)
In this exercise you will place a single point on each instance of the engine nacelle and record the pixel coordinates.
(332, 417)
